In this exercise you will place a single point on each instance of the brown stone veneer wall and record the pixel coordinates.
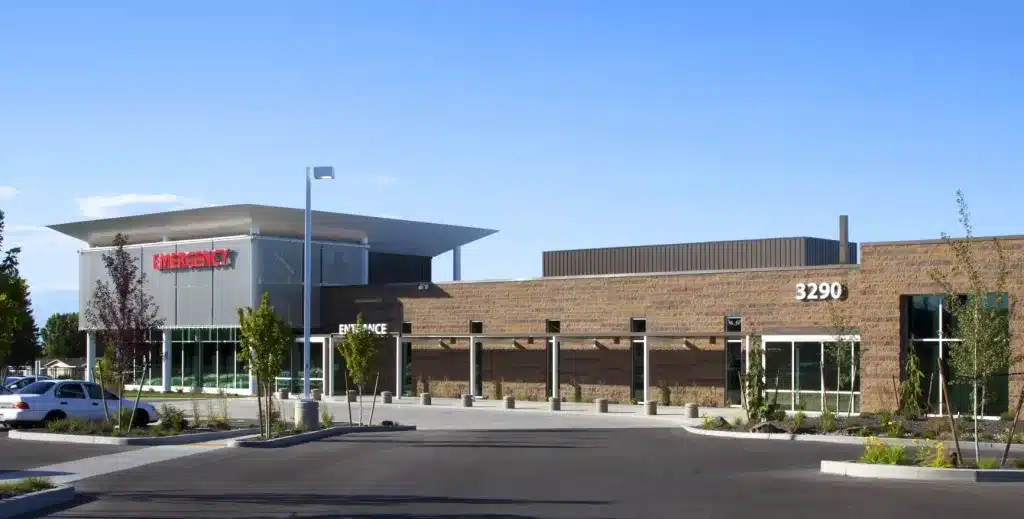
(694, 302)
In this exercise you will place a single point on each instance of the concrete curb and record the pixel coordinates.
(181, 439)
(296, 439)
(846, 440)
(865, 470)
(36, 501)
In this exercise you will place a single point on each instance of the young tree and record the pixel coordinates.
(359, 347)
(265, 340)
(981, 315)
(123, 314)
(62, 338)
(11, 314)
(842, 351)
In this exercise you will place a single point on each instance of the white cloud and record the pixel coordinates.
(48, 259)
(371, 180)
(106, 206)
(8, 192)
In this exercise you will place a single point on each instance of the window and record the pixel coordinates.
(476, 327)
(110, 395)
(552, 326)
(95, 391)
(37, 388)
(70, 391)
(812, 372)
(407, 327)
(638, 325)
(931, 333)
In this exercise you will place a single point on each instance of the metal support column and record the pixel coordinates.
(165, 366)
(90, 356)
(457, 264)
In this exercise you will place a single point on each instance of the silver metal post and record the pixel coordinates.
(306, 291)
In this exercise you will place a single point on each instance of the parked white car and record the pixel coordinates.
(47, 400)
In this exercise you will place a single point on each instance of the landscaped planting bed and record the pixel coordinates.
(24, 486)
(172, 423)
(873, 424)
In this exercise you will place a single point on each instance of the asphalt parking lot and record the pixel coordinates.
(593, 473)
(18, 455)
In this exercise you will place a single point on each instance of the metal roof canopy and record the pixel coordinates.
(383, 234)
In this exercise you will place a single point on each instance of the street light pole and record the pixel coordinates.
(321, 172)
(307, 266)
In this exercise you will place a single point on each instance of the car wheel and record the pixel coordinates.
(141, 418)
(53, 416)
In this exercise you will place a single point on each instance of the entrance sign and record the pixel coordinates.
(377, 328)
(192, 259)
(820, 291)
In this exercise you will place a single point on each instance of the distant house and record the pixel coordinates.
(64, 368)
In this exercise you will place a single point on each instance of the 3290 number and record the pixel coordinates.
(819, 291)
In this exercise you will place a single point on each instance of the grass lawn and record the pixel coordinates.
(25, 486)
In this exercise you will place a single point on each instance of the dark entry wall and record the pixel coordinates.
(398, 268)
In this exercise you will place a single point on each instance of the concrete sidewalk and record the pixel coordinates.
(448, 413)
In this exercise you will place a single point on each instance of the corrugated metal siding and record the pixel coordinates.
(742, 254)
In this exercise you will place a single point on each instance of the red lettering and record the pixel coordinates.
(192, 259)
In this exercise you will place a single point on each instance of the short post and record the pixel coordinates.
(651, 407)
(690, 410)
(510, 402)
(351, 395)
(307, 414)
(282, 394)
(601, 405)
(554, 404)
(386, 396)
(317, 394)
(424, 398)
(467, 400)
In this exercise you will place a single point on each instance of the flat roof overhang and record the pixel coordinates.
(386, 235)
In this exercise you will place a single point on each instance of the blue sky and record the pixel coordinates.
(562, 124)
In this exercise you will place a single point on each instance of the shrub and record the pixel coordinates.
(299, 428)
(1006, 416)
(123, 418)
(827, 422)
(737, 422)
(326, 418)
(172, 418)
(892, 426)
(798, 420)
(73, 426)
(877, 452)
(988, 464)
(933, 454)
(864, 432)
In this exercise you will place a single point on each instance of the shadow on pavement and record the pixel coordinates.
(297, 500)
(21, 474)
(459, 444)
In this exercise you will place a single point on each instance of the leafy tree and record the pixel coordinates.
(11, 314)
(359, 347)
(842, 351)
(25, 346)
(265, 340)
(123, 314)
(61, 337)
(981, 315)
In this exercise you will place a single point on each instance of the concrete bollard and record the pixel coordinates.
(601, 405)
(351, 395)
(282, 394)
(317, 395)
(510, 402)
(554, 404)
(690, 410)
(424, 398)
(467, 400)
(307, 414)
(651, 407)
(386, 397)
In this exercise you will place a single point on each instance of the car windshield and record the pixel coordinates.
(37, 388)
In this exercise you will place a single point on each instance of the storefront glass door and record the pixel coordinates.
(733, 372)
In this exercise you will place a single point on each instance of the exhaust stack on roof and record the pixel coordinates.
(844, 239)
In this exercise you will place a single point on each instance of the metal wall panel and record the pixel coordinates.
(195, 290)
(161, 284)
(232, 285)
(342, 264)
(740, 254)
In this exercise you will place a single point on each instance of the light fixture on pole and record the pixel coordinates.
(318, 173)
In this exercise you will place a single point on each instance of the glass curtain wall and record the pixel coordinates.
(206, 358)
(931, 333)
(798, 379)
(150, 375)
(291, 375)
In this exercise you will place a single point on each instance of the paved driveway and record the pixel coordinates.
(19, 455)
(569, 473)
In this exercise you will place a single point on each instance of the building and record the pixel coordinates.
(672, 323)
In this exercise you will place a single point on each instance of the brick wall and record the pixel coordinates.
(685, 302)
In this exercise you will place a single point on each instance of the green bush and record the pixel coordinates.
(326, 418)
(172, 418)
(988, 464)
(877, 452)
(827, 422)
(891, 426)
(1006, 416)
(798, 420)
(123, 418)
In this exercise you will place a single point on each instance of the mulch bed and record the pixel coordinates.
(870, 424)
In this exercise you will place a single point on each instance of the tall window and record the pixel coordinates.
(797, 379)
(931, 332)
(734, 361)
